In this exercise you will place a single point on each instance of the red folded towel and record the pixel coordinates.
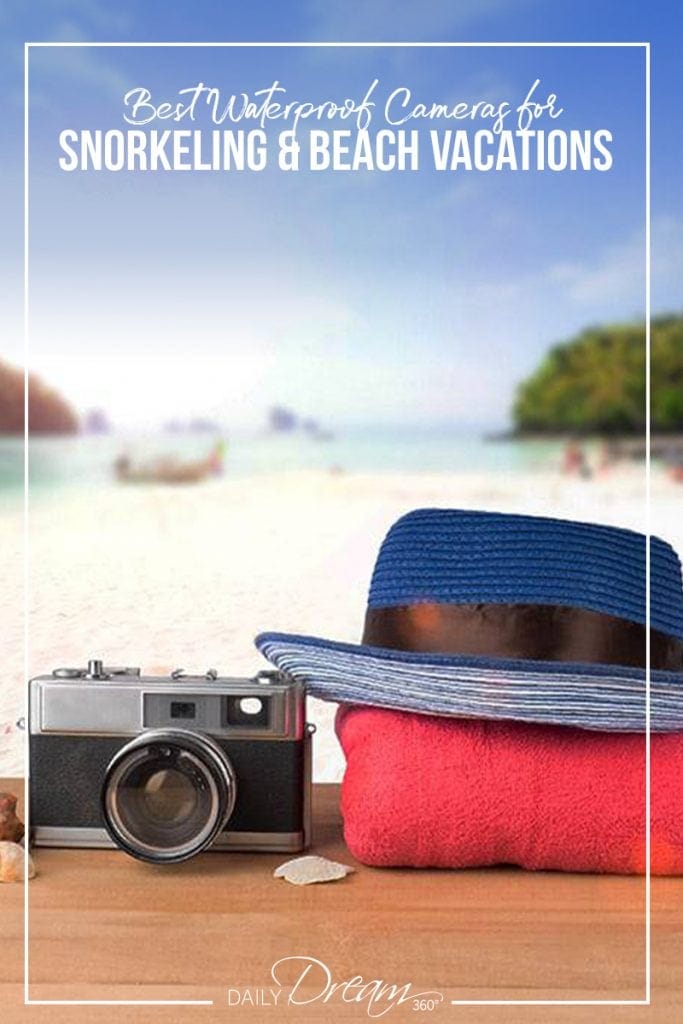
(423, 791)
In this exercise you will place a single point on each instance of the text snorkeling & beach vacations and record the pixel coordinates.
(339, 150)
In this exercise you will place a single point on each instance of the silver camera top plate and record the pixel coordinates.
(101, 700)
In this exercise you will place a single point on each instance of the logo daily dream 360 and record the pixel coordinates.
(305, 980)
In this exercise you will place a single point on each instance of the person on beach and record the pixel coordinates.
(574, 461)
(675, 467)
(606, 459)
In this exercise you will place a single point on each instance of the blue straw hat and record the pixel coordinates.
(489, 615)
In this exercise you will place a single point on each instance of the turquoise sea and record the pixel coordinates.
(87, 461)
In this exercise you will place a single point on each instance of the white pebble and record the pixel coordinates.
(12, 863)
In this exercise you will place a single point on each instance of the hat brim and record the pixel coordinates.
(606, 697)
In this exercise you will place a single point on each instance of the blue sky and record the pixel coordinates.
(357, 298)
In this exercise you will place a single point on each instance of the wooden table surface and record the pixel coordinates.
(104, 926)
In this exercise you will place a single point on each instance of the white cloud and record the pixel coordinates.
(64, 21)
(616, 277)
(226, 357)
(87, 66)
(400, 19)
(47, 15)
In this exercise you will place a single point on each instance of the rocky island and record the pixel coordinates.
(49, 413)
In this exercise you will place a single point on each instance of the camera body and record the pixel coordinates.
(167, 766)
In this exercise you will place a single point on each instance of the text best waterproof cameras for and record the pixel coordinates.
(165, 767)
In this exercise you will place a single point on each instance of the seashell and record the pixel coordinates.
(10, 826)
(309, 869)
(12, 863)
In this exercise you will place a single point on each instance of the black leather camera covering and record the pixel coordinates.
(67, 773)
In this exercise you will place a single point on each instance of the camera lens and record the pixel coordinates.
(167, 794)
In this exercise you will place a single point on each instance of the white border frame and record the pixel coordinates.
(648, 497)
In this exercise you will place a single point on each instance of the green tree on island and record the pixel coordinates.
(595, 383)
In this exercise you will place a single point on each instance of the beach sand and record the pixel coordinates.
(185, 577)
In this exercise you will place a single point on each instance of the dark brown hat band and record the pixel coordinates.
(524, 631)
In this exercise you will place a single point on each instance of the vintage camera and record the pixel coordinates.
(165, 767)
